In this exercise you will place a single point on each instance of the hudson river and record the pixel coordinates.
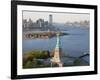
(74, 44)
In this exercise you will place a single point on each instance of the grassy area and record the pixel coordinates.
(38, 58)
(34, 59)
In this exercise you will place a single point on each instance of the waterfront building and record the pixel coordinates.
(24, 23)
(40, 22)
(29, 23)
(50, 20)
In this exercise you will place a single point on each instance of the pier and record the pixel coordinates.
(42, 34)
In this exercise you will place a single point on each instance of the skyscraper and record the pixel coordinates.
(50, 20)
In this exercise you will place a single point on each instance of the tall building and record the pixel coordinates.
(57, 52)
(40, 22)
(50, 20)
(30, 23)
(24, 23)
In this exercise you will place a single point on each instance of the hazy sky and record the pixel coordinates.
(57, 17)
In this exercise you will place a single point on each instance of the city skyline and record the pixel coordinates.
(57, 17)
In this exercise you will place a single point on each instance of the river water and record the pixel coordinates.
(74, 44)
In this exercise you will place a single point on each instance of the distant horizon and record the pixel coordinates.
(57, 16)
(57, 22)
